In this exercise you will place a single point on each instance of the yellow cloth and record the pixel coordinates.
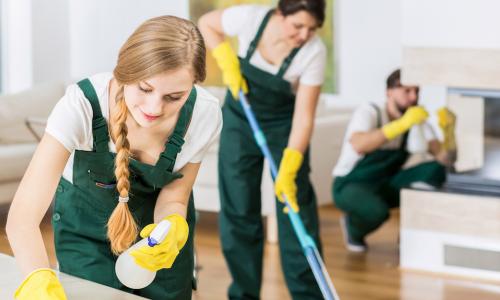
(41, 284)
(413, 116)
(230, 65)
(163, 255)
(285, 181)
(446, 121)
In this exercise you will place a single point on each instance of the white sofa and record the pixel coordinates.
(17, 141)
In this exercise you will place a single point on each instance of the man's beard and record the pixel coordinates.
(402, 110)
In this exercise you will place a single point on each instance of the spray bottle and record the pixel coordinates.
(417, 143)
(133, 275)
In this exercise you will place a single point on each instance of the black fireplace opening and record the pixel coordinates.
(485, 180)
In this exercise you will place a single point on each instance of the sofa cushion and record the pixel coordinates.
(16, 108)
(326, 144)
(14, 160)
(7, 191)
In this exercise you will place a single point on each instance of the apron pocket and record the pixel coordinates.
(102, 194)
(103, 188)
(102, 180)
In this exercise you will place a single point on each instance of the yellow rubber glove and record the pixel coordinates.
(446, 121)
(163, 255)
(41, 284)
(285, 181)
(230, 65)
(413, 116)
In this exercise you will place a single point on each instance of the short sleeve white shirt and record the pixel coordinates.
(70, 122)
(307, 67)
(364, 119)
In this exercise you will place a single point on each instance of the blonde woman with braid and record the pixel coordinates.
(121, 152)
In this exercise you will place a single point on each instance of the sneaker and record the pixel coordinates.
(351, 244)
(420, 185)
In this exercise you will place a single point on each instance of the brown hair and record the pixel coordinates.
(315, 7)
(393, 80)
(158, 45)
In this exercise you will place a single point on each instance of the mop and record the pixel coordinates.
(307, 243)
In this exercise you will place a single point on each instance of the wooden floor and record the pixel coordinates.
(374, 275)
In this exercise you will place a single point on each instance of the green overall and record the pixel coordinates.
(240, 172)
(82, 209)
(372, 187)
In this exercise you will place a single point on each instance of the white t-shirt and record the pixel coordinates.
(70, 122)
(364, 119)
(308, 65)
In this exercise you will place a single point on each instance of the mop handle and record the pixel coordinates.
(304, 238)
(306, 241)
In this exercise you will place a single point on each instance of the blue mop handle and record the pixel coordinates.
(304, 238)
(307, 243)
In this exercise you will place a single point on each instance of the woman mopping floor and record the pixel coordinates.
(281, 69)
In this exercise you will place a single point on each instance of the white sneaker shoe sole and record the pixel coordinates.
(349, 246)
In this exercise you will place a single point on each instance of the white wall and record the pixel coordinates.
(98, 28)
(50, 40)
(368, 48)
(369, 39)
(451, 23)
(16, 45)
(81, 37)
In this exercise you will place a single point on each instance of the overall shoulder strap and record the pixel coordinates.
(287, 62)
(176, 140)
(99, 125)
(255, 42)
(379, 114)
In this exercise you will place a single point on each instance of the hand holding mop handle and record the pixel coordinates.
(307, 243)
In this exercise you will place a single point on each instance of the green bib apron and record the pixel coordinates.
(240, 172)
(82, 208)
(372, 187)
